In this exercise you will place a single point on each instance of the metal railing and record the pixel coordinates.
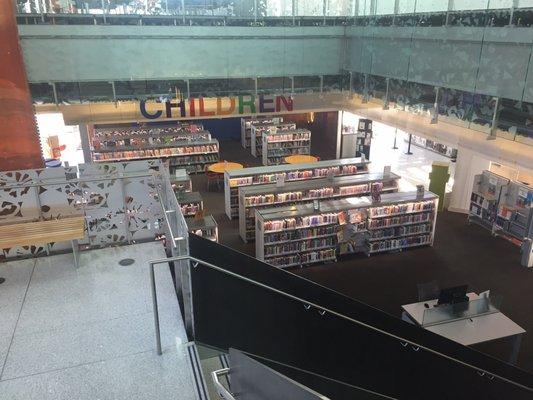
(307, 305)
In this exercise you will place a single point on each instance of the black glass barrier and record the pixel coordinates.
(338, 338)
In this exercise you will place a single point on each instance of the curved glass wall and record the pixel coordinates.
(428, 12)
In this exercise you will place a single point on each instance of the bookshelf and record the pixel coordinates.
(305, 234)
(296, 172)
(190, 203)
(257, 134)
(181, 181)
(485, 197)
(183, 146)
(515, 212)
(205, 226)
(364, 138)
(256, 197)
(246, 127)
(435, 147)
(278, 144)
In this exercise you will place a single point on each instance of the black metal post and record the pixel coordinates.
(409, 145)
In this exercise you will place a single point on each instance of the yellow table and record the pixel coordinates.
(220, 167)
(300, 159)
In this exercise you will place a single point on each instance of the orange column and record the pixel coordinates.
(20, 147)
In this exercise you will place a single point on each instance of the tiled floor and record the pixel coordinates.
(88, 333)
(414, 168)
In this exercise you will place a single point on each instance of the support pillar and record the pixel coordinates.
(20, 147)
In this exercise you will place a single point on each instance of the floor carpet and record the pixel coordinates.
(462, 254)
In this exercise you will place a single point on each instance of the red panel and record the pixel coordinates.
(20, 146)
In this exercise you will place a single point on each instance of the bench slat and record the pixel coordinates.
(41, 232)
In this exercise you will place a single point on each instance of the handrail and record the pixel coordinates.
(307, 304)
(222, 391)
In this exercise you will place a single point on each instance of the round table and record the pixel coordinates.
(220, 167)
(300, 159)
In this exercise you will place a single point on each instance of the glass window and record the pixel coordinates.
(339, 8)
(482, 111)
(431, 6)
(523, 18)
(515, 121)
(208, 87)
(466, 109)
(333, 83)
(420, 98)
(275, 8)
(525, 3)
(156, 89)
(384, 7)
(310, 7)
(398, 94)
(130, 89)
(42, 93)
(303, 84)
(68, 92)
(364, 7)
(406, 6)
(96, 91)
(268, 85)
(237, 86)
(358, 83)
(470, 4)
(377, 87)
(452, 108)
(498, 4)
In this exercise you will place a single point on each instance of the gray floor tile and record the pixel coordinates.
(17, 275)
(4, 346)
(144, 376)
(60, 294)
(74, 345)
(88, 333)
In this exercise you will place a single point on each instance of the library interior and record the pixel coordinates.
(266, 199)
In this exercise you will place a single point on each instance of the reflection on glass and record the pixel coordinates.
(309, 7)
(427, 6)
(377, 88)
(420, 98)
(515, 121)
(469, 309)
(306, 84)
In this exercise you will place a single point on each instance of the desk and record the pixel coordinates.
(470, 330)
(221, 167)
(300, 159)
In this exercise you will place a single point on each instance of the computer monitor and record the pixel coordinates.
(453, 295)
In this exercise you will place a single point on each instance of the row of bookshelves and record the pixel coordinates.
(286, 235)
(258, 131)
(235, 179)
(182, 145)
(301, 192)
(246, 127)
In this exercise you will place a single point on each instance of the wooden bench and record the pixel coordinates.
(26, 233)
